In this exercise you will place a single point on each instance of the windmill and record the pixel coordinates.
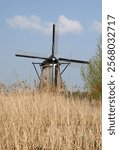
(50, 67)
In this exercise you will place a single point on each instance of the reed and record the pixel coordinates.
(45, 121)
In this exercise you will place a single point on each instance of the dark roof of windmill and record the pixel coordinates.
(50, 60)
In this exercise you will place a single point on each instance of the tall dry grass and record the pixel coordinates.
(33, 121)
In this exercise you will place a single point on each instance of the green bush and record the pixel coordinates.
(92, 73)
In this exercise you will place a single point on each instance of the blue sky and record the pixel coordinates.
(26, 25)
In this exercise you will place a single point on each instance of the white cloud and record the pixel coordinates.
(34, 23)
(68, 25)
(97, 26)
(29, 23)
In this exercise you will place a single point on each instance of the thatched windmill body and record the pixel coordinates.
(50, 67)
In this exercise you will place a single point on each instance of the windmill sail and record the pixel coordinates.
(53, 40)
(74, 60)
(21, 53)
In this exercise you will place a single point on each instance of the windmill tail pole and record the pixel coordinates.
(53, 40)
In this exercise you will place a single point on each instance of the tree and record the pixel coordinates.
(92, 73)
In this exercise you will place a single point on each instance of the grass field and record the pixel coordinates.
(33, 121)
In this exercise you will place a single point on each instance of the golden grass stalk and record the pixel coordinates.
(33, 121)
